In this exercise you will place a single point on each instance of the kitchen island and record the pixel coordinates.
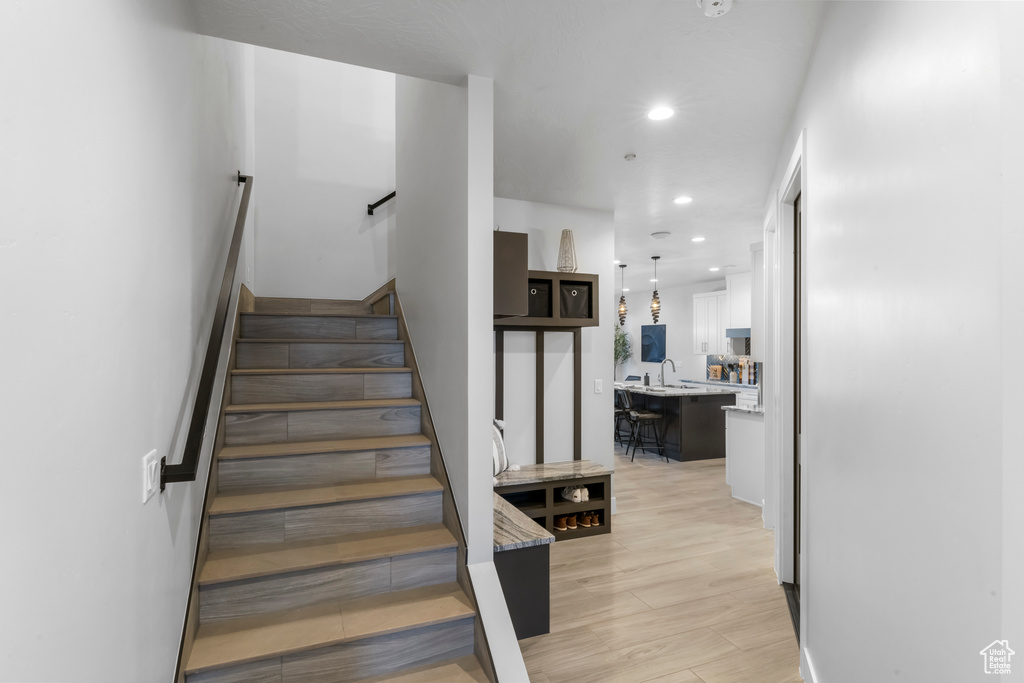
(692, 424)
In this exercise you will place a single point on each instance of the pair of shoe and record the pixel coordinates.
(576, 494)
(587, 519)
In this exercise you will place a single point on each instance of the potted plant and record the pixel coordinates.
(623, 347)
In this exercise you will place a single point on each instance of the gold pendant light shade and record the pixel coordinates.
(655, 301)
(622, 296)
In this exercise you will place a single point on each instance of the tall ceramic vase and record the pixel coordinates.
(567, 253)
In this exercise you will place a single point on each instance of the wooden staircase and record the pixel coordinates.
(328, 556)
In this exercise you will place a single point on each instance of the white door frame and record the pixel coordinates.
(779, 374)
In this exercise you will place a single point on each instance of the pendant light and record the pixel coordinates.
(655, 302)
(622, 297)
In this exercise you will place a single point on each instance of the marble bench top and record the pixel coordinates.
(513, 529)
(551, 471)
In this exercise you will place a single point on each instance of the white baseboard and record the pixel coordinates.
(501, 635)
(806, 667)
(749, 501)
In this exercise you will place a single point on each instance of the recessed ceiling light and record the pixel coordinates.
(698, 238)
(615, 261)
(654, 279)
(660, 235)
(626, 289)
(713, 269)
(714, 8)
(629, 157)
(683, 200)
(660, 113)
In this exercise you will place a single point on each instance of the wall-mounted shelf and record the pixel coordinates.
(558, 300)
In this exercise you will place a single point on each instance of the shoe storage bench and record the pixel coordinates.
(536, 491)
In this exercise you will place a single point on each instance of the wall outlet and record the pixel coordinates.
(598, 386)
(150, 475)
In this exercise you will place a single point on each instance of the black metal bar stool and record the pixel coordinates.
(642, 423)
(622, 416)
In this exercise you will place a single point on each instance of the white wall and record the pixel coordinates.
(326, 138)
(676, 315)
(122, 131)
(1011, 246)
(904, 452)
(445, 212)
(594, 237)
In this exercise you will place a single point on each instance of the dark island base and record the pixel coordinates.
(693, 427)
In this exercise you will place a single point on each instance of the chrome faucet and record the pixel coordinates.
(667, 360)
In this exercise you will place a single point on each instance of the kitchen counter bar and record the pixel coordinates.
(693, 422)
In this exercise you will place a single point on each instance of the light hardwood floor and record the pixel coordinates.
(682, 589)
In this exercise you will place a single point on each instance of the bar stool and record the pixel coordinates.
(642, 422)
(622, 416)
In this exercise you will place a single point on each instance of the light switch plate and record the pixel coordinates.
(150, 475)
(598, 386)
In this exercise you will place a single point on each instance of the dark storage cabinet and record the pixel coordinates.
(510, 275)
(556, 300)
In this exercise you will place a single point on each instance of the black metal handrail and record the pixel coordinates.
(371, 207)
(186, 469)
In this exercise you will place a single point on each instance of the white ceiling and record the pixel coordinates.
(573, 80)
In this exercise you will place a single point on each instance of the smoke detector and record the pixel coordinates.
(714, 8)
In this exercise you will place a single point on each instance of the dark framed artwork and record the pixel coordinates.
(652, 343)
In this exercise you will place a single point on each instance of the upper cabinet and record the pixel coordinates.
(738, 288)
(511, 274)
(710, 320)
(557, 300)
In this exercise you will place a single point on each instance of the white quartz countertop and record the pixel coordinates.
(741, 409)
(675, 390)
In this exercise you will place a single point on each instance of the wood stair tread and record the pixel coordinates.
(445, 672)
(270, 450)
(250, 639)
(383, 316)
(317, 371)
(253, 561)
(276, 499)
(290, 340)
(321, 405)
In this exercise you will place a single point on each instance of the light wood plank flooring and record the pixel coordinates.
(682, 590)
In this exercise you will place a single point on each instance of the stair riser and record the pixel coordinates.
(314, 425)
(300, 388)
(356, 660)
(300, 327)
(344, 582)
(323, 521)
(316, 306)
(270, 355)
(322, 469)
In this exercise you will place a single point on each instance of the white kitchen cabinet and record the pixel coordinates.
(710, 319)
(744, 455)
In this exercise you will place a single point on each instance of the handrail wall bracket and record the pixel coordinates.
(371, 207)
